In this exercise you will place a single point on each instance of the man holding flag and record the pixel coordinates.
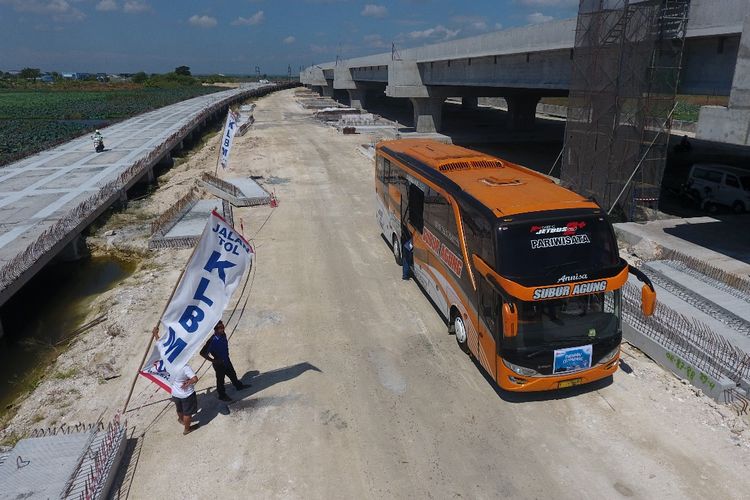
(198, 300)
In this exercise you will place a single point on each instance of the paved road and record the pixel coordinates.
(359, 392)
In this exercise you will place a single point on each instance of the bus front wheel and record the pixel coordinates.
(460, 330)
(396, 250)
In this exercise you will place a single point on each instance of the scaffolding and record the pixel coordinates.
(625, 72)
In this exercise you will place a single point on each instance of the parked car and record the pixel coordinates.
(712, 186)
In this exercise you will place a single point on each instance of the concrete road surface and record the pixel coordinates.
(358, 391)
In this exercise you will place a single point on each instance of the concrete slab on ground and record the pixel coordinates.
(250, 192)
(41, 467)
(724, 242)
(193, 222)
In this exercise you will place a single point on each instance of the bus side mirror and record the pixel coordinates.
(648, 293)
(510, 320)
(648, 300)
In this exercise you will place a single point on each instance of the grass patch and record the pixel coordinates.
(66, 374)
(10, 440)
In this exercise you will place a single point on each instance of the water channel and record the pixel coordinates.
(43, 317)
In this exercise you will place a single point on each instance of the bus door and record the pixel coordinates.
(416, 207)
(488, 327)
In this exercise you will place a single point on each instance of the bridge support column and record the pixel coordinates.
(731, 124)
(469, 102)
(522, 111)
(428, 113)
(166, 161)
(357, 98)
(75, 250)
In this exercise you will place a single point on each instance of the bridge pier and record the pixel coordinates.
(469, 102)
(522, 111)
(75, 250)
(731, 124)
(178, 148)
(428, 113)
(357, 98)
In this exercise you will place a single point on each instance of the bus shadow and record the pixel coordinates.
(529, 397)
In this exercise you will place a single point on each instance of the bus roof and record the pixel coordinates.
(505, 188)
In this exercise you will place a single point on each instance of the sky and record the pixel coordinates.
(236, 36)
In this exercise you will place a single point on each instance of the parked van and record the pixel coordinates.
(712, 186)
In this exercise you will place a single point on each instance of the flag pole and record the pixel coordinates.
(151, 336)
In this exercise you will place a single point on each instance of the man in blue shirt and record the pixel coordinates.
(216, 351)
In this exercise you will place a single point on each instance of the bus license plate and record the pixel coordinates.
(569, 383)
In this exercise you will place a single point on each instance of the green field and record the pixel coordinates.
(34, 120)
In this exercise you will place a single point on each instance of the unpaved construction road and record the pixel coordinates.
(361, 393)
(358, 391)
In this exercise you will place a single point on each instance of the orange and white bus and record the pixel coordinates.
(526, 273)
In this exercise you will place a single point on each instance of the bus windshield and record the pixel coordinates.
(568, 321)
(563, 249)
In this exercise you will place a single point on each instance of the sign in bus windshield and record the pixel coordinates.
(556, 248)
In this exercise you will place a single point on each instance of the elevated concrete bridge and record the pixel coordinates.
(524, 64)
(46, 200)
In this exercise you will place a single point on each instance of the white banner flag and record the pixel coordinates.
(226, 140)
(210, 277)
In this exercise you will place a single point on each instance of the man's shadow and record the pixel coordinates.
(209, 405)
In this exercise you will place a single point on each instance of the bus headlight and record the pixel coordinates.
(521, 370)
(608, 357)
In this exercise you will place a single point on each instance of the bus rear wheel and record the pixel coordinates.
(459, 328)
(396, 250)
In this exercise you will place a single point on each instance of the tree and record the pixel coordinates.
(182, 70)
(29, 73)
(139, 77)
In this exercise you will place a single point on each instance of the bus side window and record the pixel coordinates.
(379, 171)
(439, 213)
(478, 235)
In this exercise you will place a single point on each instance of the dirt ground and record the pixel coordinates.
(357, 389)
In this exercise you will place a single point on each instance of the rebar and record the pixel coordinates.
(169, 218)
(735, 285)
(699, 302)
(690, 339)
(221, 184)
